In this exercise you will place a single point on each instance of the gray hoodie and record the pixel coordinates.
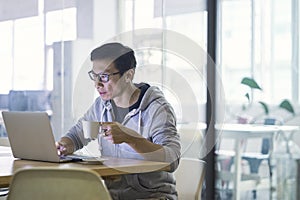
(154, 120)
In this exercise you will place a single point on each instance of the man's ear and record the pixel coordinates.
(129, 75)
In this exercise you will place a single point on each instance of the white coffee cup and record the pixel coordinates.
(90, 129)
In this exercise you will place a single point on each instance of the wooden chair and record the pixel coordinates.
(60, 184)
(189, 178)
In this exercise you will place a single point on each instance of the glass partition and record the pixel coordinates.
(162, 15)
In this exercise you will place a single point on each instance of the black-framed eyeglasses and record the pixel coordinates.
(102, 77)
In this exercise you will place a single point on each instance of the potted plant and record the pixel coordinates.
(253, 85)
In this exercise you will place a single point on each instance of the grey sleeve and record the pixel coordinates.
(75, 133)
(164, 132)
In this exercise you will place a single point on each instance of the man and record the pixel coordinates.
(138, 121)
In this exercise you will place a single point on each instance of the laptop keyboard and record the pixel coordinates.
(74, 157)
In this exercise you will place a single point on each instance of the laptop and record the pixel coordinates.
(31, 138)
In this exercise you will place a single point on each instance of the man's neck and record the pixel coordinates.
(129, 97)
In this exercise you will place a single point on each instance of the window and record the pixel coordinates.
(28, 54)
(27, 38)
(5, 56)
(235, 45)
(61, 25)
(182, 83)
(256, 40)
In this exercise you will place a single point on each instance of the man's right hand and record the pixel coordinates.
(64, 146)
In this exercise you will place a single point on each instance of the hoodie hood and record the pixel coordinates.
(153, 93)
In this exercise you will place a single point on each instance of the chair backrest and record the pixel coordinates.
(265, 142)
(60, 184)
(265, 147)
(191, 142)
(189, 178)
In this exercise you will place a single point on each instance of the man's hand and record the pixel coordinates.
(117, 133)
(64, 146)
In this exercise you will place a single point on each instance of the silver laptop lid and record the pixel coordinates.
(30, 135)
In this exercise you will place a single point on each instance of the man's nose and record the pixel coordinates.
(98, 84)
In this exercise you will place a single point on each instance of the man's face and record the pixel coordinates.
(113, 87)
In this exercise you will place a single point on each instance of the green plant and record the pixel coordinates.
(253, 85)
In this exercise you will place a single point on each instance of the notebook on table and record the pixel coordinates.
(31, 138)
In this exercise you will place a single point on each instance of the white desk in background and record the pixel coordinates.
(241, 132)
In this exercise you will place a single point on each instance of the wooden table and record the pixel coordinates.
(241, 132)
(110, 167)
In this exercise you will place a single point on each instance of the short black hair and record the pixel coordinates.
(122, 56)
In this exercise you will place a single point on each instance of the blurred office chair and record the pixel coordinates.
(224, 162)
(252, 157)
(29, 100)
(60, 184)
(255, 159)
(189, 172)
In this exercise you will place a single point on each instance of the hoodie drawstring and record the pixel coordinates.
(105, 108)
(108, 107)
(140, 122)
